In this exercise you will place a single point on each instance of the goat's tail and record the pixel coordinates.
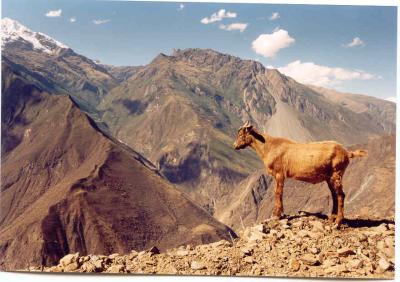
(357, 153)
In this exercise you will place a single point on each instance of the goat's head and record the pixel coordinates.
(246, 135)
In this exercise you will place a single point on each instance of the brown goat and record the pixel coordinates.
(310, 162)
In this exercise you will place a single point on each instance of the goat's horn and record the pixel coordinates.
(247, 124)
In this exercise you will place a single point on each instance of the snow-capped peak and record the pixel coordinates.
(12, 30)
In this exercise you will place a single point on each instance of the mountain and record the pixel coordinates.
(381, 110)
(369, 185)
(57, 67)
(68, 187)
(182, 111)
(121, 73)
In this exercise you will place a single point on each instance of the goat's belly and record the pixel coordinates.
(311, 179)
(310, 176)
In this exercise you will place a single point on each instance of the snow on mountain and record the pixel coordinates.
(12, 30)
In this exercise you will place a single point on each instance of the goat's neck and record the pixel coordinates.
(260, 147)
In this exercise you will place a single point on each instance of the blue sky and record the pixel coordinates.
(311, 43)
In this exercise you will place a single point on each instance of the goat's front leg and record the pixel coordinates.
(279, 182)
(336, 180)
(334, 212)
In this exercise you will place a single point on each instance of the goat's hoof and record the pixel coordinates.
(336, 226)
(332, 218)
(275, 217)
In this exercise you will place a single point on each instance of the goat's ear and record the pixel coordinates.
(257, 135)
(249, 128)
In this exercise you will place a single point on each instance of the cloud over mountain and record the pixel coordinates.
(234, 26)
(54, 13)
(311, 73)
(99, 21)
(269, 45)
(355, 42)
(218, 16)
(274, 16)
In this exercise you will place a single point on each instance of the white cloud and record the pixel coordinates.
(53, 14)
(271, 67)
(274, 16)
(310, 73)
(72, 20)
(101, 21)
(355, 42)
(392, 99)
(218, 16)
(181, 7)
(269, 45)
(234, 26)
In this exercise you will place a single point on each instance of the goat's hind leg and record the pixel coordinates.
(278, 209)
(336, 180)
(333, 215)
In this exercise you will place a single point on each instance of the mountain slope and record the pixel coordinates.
(63, 70)
(182, 112)
(66, 187)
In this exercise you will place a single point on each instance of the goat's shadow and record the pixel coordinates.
(349, 222)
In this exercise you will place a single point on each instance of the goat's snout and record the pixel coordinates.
(235, 146)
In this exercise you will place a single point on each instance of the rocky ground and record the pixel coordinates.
(301, 245)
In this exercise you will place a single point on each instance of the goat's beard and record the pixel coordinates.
(241, 146)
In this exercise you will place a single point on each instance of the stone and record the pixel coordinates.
(381, 228)
(362, 237)
(256, 236)
(249, 260)
(383, 264)
(182, 253)
(294, 264)
(98, 264)
(314, 250)
(71, 267)
(303, 233)
(68, 259)
(344, 252)
(57, 268)
(113, 256)
(132, 255)
(336, 269)
(315, 234)
(388, 252)
(309, 259)
(317, 226)
(154, 250)
(246, 251)
(87, 266)
(355, 263)
(380, 245)
(297, 224)
(195, 265)
(142, 253)
(329, 262)
(222, 243)
(389, 241)
(283, 221)
(115, 269)
(259, 228)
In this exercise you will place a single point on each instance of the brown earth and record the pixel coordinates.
(300, 246)
(66, 187)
